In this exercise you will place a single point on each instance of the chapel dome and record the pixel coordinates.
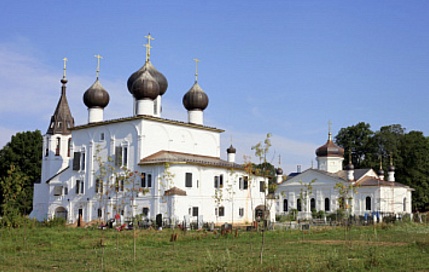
(145, 87)
(391, 168)
(279, 171)
(330, 149)
(96, 96)
(195, 98)
(231, 149)
(350, 166)
(158, 76)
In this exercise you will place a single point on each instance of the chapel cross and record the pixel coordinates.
(148, 47)
(196, 69)
(65, 67)
(98, 63)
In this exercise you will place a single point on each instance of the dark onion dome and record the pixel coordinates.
(391, 168)
(96, 96)
(350, 166)
(380, 172)
(231, 149)
(330, 149)
(195, 98)
(279, 171)
(158, 76)
(145, 87)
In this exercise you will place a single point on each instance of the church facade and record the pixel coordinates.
(142, 165)
(329, 188)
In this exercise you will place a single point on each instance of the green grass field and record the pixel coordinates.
(402, 247)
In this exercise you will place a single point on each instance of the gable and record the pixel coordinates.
(321, 178)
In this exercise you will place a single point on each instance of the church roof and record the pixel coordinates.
(149, 118)
(62, 120)
(178, 157)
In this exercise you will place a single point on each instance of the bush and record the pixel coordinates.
(55, 222)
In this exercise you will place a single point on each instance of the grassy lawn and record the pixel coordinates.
(402, 247)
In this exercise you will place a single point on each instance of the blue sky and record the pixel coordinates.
(284, 67)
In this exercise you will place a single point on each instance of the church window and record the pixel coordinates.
(82, 161)
(68, 147)
(79, 187)
(243, 183)
(312, 204)
(98, 186)
(327, 204)
(368, 203)
(100, 213)
(76, 161)
(221, 211)
(58, 190)
(58, 145)
(60, 124)
(218, 181)
(194, 211)
(145, 211)
(102, 136)
(47, 148)
(121, 156)
(188, 180)
(285, 205)
(146, 180)
(241, 211)
(404, 204)
(262, 186)
(66, 190)
(298, 205)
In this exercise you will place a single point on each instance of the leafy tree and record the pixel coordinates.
(356, 139)
(24, 150)
(414, 167)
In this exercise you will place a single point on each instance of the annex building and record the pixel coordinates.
(329, 188)
(142, 165)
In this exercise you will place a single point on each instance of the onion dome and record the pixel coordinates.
(380, 172)
(145, 87)
(391, 168)
(96, 96)
(195, 98)
(158, 76)
(231, 149)
(330, 149)
(350, 166)
(279, 171)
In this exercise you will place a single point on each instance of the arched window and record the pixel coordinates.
(404, 204)
(312, 204)
(298, 205)
(368, 203)
(285, 205)
(327, 205)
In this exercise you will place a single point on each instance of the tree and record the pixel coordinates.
(24, 150)
(356, 139)
(414, 168)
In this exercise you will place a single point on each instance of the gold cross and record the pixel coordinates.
(196, 69)
(65, 67)
(329, 129)
(98, 63)
(148, 47)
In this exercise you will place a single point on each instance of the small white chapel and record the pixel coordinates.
(328, 188)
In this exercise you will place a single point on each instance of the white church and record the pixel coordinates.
(143, 165)
(328, 188)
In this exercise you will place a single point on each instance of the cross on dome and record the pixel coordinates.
(65, 67)
(98, 63)
(196, 69)
(148, 47)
